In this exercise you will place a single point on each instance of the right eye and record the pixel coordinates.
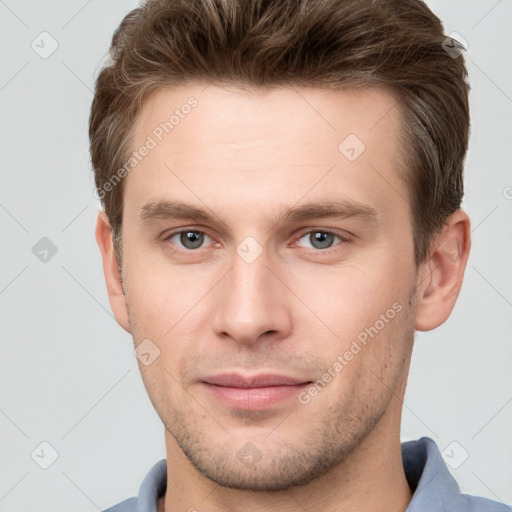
(188, 239)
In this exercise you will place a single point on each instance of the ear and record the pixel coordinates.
(440, 277)
(111, 271)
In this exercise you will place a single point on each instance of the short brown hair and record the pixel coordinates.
(271, 43)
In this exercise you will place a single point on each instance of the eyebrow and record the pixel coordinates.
(336, 209)
(342, 209)
(157, 210)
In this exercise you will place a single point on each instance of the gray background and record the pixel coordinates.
(68, 374)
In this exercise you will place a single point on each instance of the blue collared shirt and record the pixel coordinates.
(435, 490)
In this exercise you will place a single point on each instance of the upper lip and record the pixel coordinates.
(235, 380)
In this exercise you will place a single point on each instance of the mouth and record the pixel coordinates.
(256, 393)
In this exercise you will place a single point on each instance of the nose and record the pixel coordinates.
(253, 304)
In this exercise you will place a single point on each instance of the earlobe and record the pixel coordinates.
(111, 271)
(440, 277)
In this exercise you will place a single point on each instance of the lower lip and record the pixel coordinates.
(253, 399)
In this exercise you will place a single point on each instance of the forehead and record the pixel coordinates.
(232, 115)
(267, 144)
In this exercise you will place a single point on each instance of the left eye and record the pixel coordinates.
(189, 239)
(320, 239)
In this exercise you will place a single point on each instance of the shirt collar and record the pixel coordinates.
(428, 476)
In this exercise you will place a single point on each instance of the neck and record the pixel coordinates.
(371, 478)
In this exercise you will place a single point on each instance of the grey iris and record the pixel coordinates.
(321, 239)
(192, 239)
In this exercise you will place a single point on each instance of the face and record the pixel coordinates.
(268, 256)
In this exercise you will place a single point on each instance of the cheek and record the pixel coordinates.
(161, 295)
(161, 382)
(344, 301)
(366, 364)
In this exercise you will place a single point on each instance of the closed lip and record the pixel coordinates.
(236, 380)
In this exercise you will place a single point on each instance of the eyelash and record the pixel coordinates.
(343, 239)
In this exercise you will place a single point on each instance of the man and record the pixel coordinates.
(282, 184)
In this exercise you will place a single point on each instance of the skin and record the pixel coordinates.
(245, 157)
